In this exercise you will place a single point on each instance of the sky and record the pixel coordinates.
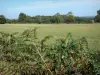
(11, 8)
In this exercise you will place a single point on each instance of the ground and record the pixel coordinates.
(90, 31)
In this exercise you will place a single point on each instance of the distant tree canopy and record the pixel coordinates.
(70, 18)
(97, 18)
(22, 18)
(98, 12)
(2, 19)
(57, 18)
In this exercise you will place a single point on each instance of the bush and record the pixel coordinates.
(24, 54)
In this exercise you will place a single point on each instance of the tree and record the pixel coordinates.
(97, 18)
(22, 18)
(98, 12)
(29, 19)
(70, 18)
(83, 19)
(58, 18)
(2, 19)
(46, 19)
(38, 19)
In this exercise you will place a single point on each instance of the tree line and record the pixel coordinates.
(57, 18)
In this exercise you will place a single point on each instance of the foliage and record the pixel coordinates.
(70, 18)
(38, 19)
(83, 20)
(2, 19)
(22, 18)
(10, 21)
(24, 54)
(97, 18)
(57, 18)
(98, 12)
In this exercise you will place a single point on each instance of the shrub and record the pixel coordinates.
(24, 54)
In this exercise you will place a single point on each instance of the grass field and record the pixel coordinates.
(90, 31)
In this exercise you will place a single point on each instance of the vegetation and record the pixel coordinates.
(2, 19)
(70, 18)
(25, 54)
(97, 18)
(59, 44)
(57, 18)
(22, 18)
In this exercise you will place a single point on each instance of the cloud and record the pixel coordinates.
(53, 4)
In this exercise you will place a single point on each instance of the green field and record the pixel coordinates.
(90, 31)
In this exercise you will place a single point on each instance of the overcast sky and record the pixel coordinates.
(12, 8)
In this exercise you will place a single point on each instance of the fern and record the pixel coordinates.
(23, 53)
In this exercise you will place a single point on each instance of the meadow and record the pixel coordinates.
(49, 49)
(87, 30)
